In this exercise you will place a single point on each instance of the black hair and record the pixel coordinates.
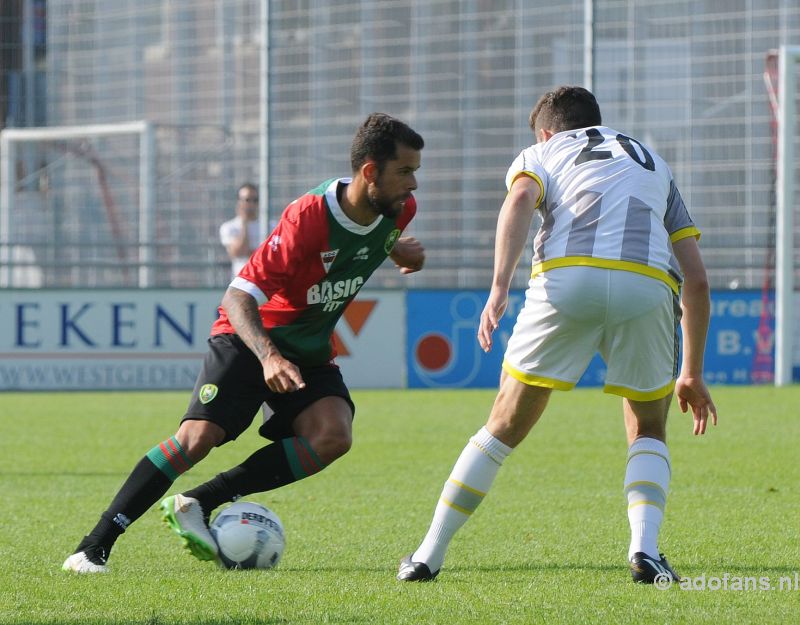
(377, 139)
(565, 108)
(247, 185)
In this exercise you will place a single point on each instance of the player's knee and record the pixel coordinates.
(198, 438)
(329, 447)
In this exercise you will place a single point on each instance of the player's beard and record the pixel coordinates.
(382, 206)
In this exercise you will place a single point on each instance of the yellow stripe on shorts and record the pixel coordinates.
(536, 380)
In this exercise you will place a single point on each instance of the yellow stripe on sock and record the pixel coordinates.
(469, 489)
(485, 452)
(646, 502)
(643, 483)
(652, 453)
(456, 507)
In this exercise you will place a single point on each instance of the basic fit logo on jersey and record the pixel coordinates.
(355, 316)
(332, 294)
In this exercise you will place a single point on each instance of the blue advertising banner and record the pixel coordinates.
(124, 339)
(741, 338)
(443, 351)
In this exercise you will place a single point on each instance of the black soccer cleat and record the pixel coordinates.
(414, 571)
(648, 570)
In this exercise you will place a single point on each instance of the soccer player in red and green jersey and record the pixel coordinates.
(272, 344)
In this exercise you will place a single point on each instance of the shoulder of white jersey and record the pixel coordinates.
(522, 164)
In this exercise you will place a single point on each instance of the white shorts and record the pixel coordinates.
(571, 313)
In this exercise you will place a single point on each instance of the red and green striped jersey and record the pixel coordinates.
(310, 267)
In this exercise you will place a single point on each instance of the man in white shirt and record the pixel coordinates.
(240, 235)
(615, 269)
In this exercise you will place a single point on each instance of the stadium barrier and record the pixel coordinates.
(155, 339)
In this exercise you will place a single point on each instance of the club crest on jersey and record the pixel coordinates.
(274, 242)
(207, 393)
(362, 254)
(327, 258)
(391, 240)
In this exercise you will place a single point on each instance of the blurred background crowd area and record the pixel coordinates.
(207, 94)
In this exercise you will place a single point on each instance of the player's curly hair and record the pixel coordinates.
(377, 139)
(565, 108)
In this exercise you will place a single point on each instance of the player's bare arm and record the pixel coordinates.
(408, 254)
(690, 389)
(513, 224)
(281, 375)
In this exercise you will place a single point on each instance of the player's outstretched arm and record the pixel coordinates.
(690, 389)
(408, 254)
(513, 224)
(281, 375)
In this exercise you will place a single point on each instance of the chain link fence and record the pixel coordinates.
(684, 77)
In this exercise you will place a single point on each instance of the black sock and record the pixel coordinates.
(270, 467)
(145, 485)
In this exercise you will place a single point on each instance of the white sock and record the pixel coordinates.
(469, 481)
(646, 486)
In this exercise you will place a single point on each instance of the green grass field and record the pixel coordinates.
(547, 546)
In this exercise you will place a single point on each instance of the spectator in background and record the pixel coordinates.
(240, 235)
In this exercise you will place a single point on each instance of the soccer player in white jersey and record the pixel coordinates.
(616, 268)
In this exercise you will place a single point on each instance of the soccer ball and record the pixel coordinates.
(249, 536)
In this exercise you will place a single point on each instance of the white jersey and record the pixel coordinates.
(232, 230)
(607, 201)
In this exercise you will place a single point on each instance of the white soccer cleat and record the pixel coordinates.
(185, 517)
(80, 563)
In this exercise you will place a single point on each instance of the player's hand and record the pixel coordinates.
(281, 375)
(692, 391)
(490, 317)
(408, 254)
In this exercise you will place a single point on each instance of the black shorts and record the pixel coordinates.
(230, 390)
